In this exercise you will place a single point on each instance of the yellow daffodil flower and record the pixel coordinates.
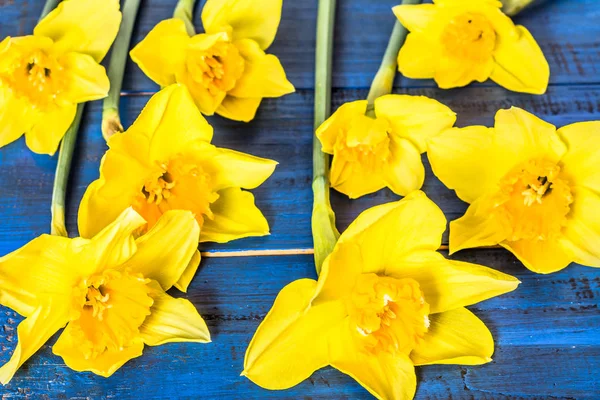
(109, 292)
(165, 161)
(225, 68)
(385, 301)
(532, 189)
(372, 153)
(44, 76)
(457, 42)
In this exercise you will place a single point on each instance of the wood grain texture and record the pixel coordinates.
(548, 346)
(546, 338)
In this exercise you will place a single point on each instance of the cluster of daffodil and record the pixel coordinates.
(385, 300)
(163, 187)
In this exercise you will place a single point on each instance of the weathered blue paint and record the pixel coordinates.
(548, 345)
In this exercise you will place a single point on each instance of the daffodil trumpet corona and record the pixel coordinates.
(532, 189)
(226, 68)
(165, 161)
(44, 76)
(111, 120)
(385, 302)
(457, 42)
(108, 292)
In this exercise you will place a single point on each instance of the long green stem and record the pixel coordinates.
(384, 79)
(111, 121)
(185, 10)
(49, 6)
(325, 234)
(63, 168)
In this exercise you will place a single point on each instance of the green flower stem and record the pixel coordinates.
(111, 121)
(514, 7)
(325, 234)
(63, 168)
(185, 11)
(384, 79)
(49, 6)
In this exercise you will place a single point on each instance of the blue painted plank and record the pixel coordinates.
(283, 131)
(546, 336)
(566, 30)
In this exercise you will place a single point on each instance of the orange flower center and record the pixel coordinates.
(218, 68)
(115, 304)
(367, 142)
(390, 314)
(180, 184)
(469, 36)
(33, 74)
(536, 200)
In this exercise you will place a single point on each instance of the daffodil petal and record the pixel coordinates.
(263, 73)
(540, 256)
(418, 57)
(164, 252)
(239, 109)
(329, 130)
(162, 52)
(173, 320)
(235, 217)
(530, 135)
(417, 17)
(87, 79)
(36, 268)
(454, 72)
(115, 244)
(581, 161)
(404, 171)
(188, 274)
(84, 26)
(448, 284)
(339, 272)
(244, 19)
(582, 232)
(45, 136)
(381, 231)
(481, 225)
(33, 332)
(230, 168)
(519, 64)
(292, 342)
(162, 123)
(105, 364)
(122, 177)
(416, 118)
(454, 337)
(386, 375)
(17, 116)
(353, 179)
(470, 160)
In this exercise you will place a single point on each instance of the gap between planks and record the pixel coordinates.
(287, 252)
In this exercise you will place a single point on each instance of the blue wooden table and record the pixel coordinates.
(547, 332)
